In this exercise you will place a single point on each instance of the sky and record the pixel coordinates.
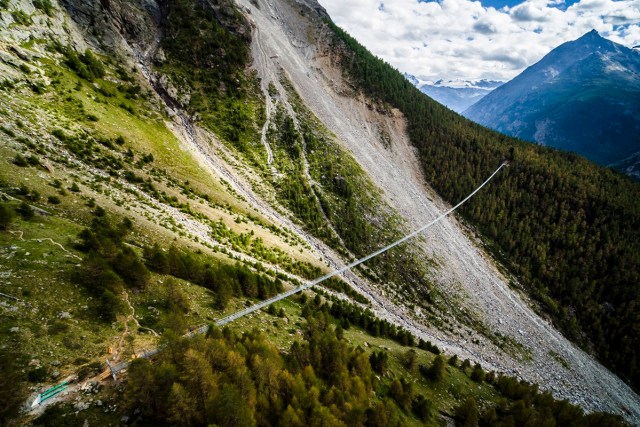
(472, 40)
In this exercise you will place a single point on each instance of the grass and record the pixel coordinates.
(446, 394)
(38, 272)
(146, 136)
(144, 133)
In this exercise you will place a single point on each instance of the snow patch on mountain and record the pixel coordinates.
(456, 94)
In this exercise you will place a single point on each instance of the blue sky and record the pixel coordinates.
(486, 39)
(499, 4)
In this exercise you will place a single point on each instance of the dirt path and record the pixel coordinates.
(132, 316)
(465, 274)
(20, 234)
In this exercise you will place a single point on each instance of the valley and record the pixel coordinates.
(317, 174)
(464, 273)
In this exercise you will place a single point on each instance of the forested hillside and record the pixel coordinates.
(323, 379)
(568, 230)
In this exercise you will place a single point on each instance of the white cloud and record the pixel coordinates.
(461, 39)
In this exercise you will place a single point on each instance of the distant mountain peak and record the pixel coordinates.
(592, 34)
(593, 38)
(582, 97)
(458, 94)
(414, 81)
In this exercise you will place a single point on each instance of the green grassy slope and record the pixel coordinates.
(78, 146)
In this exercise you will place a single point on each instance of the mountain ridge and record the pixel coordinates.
(457, 95)
(580, 97)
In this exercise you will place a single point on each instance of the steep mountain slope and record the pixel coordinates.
(566, 260)
(582, 97)
(266, 174)
(458, 95)
(463, 274)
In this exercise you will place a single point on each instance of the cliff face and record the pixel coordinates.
(282, 146)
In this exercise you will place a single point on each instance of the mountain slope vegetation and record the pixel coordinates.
(125, 222)
(568, 229)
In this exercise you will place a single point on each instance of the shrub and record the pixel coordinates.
(422, 408)
(453, 360)
(57, 327)
(72, 342)
(18, 160)
(20, 17)
(59, 133)
(54, 200)
(8, 131)
(25, 211)
(38, 87)
(467, 412)
(130, 268)
(436, 371)
(410, 360)
(80, 361)
(33, 160)
(93, 64)
(84, 372)
(465, 364)
(44, 5)
(37, 375)
(86, 66)
(478, 373)
(6, 216)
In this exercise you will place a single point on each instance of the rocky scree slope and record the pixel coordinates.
(293, 36)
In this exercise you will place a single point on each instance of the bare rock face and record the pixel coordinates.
(114, 24)
(181, 97)
(313, 5)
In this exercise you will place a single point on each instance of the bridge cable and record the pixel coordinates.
(314, 282)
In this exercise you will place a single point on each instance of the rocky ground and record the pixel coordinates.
(465, 274)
